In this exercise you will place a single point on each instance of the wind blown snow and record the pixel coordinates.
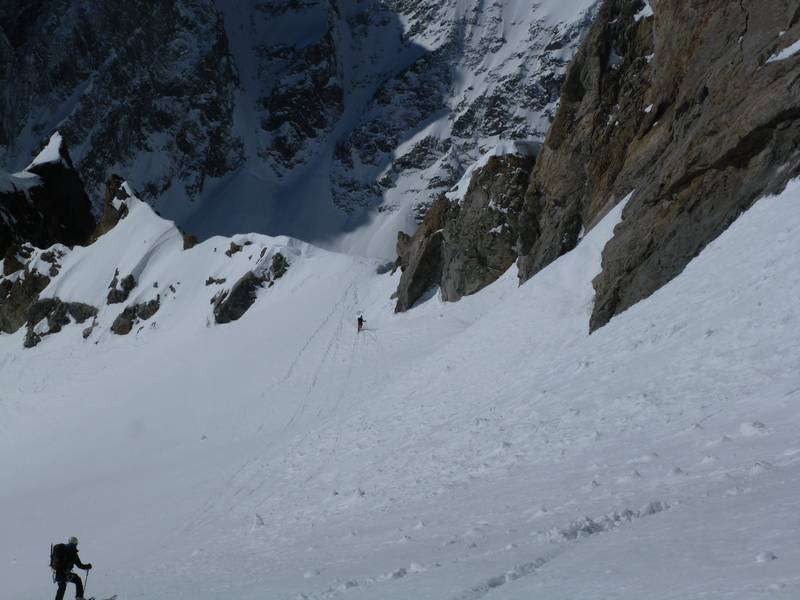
(486, 449)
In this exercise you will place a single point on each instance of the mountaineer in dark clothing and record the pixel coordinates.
(63, 558)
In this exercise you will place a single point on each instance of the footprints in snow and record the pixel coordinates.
(564, 536)
(573, 532)
(336, 590)
(651, 470)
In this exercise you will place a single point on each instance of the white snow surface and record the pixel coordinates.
(50, 153)
(645, 12)
(787, 52)
(485, 449)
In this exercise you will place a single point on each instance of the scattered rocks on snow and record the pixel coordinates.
(50, 315)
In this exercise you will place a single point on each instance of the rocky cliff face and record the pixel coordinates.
(468, 237)
(45, 204)
(692, 108)
(138, 87)
(493, 72)
(310, 118)
(685, 106)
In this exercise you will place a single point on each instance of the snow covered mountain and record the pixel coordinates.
(578, 379)
(483, 449)
(316, 119)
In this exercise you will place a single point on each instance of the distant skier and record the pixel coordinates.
(361, 322)
(63, 558)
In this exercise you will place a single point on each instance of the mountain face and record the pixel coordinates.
(693, 108)
(344, 122)
(627, 413)
(140, 87)
(334, 121)
(136, 266)
(45, 203)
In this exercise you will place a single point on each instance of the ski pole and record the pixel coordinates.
(86, 583)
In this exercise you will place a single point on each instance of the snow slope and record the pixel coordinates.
(484, 449)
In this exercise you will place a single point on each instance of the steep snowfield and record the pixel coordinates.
(484, 449)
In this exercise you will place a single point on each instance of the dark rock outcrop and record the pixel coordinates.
(683, 107)
(21, 284)
(132, 314)
(231, 306)
(481, 233)
(234, 248)
(56, 314)
(44, 205)
(279, 266)
(189, 241)
(16, 298)
(420, 256)
(464, 245)
(119, 290)
(114, 207)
